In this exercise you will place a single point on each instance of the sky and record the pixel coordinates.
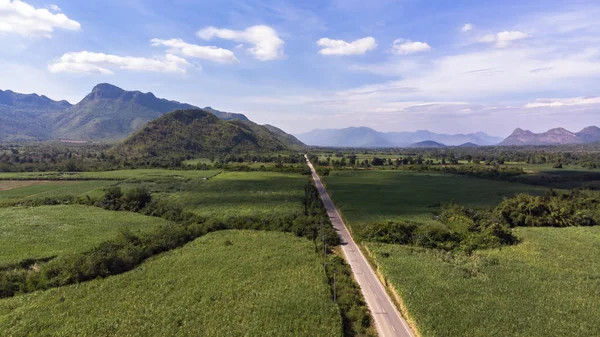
(393, 65)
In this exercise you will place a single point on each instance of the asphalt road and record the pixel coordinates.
(387, 318)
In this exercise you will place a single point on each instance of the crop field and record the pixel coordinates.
(230, 283)
(368, 196)
(28, 190)
(548, 285)
(144, 174)
(244, 194)
(46, 231)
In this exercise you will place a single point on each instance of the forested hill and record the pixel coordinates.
(196, 133)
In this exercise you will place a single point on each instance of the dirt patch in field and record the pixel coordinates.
(12, 184)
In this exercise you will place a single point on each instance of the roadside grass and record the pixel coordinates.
(370, 196)
(230, 283)
(232, 194)
(548, 285)
(144, 174)
(47, 231)
(50, 189)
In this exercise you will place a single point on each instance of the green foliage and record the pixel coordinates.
(546, 285)
(555, 209)
(185, 134)
(35, 233)
(263, 284)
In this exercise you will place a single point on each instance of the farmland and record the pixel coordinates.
(545, 286)
(256, 194)
(368, 196)
(231, 283)
(30, 190)
(46, 231)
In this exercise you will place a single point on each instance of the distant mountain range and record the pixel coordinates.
(558, 136)
(365, 137)
(107, 113)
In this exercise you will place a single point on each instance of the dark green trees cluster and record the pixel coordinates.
(555, 209)
(456, 229)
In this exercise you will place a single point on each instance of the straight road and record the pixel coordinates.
(387, 318)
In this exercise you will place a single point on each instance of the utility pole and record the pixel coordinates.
(324, 250)
(334, 287)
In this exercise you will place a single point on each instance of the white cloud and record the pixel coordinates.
(99, 63)
(55, 8)
(266, 42)
(467, 27)
(405, 47)
(341, 47)
(18, 17)
(211, 53)
(560, 102)
(503, 39)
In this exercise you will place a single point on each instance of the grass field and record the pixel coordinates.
(548, 285)
(231, 283)
(34, 190)
(368, 196)
(144, 174)
(244, 194)
(46, 231)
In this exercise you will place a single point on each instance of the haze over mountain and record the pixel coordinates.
(107, 113)
(557, 136)
(367, 137)
(24, 117)
(195, 132)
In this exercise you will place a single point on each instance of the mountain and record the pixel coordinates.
(366, 137)
(591, 134)
(25, 117)
(226, 116)
(427, 144)
(285, 138)
(468, 145)
(110, 113)
(349, 137)
(195, 132)
(558, 136)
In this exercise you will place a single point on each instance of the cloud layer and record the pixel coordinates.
(504, 39)
(405, 47)
(341, 47)
(178, 46)
(99, 63)
(266, 43)
(18, 17)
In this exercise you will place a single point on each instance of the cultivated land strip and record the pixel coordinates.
(387, 318)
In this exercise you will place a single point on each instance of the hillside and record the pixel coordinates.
(367, 137)
(25, 117)
(110, 113)
(558, 136)
(193, 133)
(427, 144)
(285, 138)
(226, 116)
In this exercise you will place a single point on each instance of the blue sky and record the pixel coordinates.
(445, 66)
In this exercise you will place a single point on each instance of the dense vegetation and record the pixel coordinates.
(193, 133)
(555, 209)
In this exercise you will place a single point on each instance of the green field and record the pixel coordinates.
(143, 174)
(256, 194)
(548, 285)
(51, 189)
(46, 231)
(369, 196)
(231, 283)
